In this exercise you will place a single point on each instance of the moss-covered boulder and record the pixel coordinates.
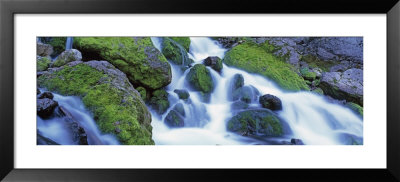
(67, 56)
(116, 106)
(182, 94)
(256, 122)
(142, 63)
(183, 41)
(307, 74)
(58, 44)
(174, 120)
(257, 58)
(356, 108)
(199, 77)
(214, 62)
(175, 52)
(143, 93)
(42, 63)
(159, 101)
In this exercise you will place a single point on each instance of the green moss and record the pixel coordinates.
(110, 108)
(58, 44)
(159, 101)
(356, 108)
(318, 91)
(255, 58)
(42, 63)
(307, 74)
(315, 62)
(175, 52)
(137, 57)
(183, 41)
(143, 92)
(200, 78)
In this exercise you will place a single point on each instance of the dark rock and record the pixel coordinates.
(48, 95)
(256, 122)
(214, 62)
(237, 81)
(295, 141)
(159, 101)
(45, 107)
(182, 94)
(271, 102)
(174, 119)
(37, 91)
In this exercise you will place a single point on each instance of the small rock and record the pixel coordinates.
(271, 102)
(67, 56)
(45, 107)
(214, 62)
(48, 95)
(295, 141)
(182, 94)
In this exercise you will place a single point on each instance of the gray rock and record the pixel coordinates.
(66, 57)
(43, 50)
(347, 85)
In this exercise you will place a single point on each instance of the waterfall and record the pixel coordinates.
(57, 129)
(311, 117)
(68, 43)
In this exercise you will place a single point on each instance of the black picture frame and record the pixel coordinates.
(9, 8)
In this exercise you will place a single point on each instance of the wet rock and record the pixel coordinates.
(43, 50)
(246, 94)
(199, 77)
(182, 94)
(180, 109)
(143, 93)
(174, 119)
(256, 122)
(344, 86)
(318, 91)
(295, 141)
(237, 81)
(270, 102)
(307, 74)
(45, 107)
(48, 95)
(214, 62)
(159, 101)
(66, 57)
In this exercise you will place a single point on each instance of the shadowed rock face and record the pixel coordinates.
(45, 107)
(347, 85)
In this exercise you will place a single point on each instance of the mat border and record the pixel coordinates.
(9, 8)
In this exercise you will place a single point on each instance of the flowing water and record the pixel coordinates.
(57, 127)
(310, 117)
(68, 43)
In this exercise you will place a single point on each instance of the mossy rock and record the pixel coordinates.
(174, 120)
(214, 62)
(143, 93)
(67, 56)
(183, 41)
(257, 58)
(142, 63)
(159, 101)
(246, 94)
(58, 44)
(256, 122)
(318, 91)
(307, 74)
(199, 77)
(107, 93)
(356, 108)
(237, 81)
(315, 62)
(42, 63)
(175, 52)
(182, 94)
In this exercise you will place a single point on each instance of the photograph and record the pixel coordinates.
(199, 90)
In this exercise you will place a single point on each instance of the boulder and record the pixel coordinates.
(257, 58)
(256, 122)
(159, 101)
(66, 57)
(214, 62)
(43, 95)
(174, 119)
(143, 64)
(182, 94)
(199, 77)
(237, 81)
(175, 52)
(271, 102)
(344, 86)
(45, 107)
(108, 94)
(307, 74)
(42, 63)
(43, 50)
